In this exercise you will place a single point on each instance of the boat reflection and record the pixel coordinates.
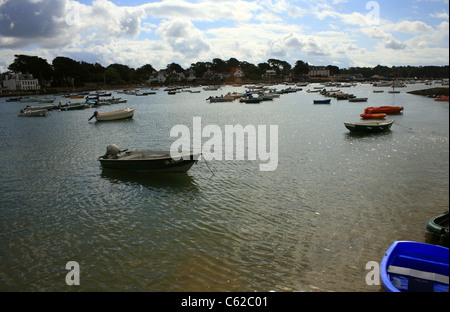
(181, 181)
(359, 135)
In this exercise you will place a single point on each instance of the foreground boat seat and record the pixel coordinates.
(430, 276)
(130, 157)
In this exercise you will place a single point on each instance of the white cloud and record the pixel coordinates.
(413, 27)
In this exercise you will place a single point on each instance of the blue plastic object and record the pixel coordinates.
(411, 266)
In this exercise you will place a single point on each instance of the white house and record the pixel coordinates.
(20, 81)
(318, 71)
(158, 76)
(270, 73)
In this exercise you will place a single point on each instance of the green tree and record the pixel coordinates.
(300, 69)
(200, 68)
(34, 65)
(112, 76)
(143, 73)
(68, 72)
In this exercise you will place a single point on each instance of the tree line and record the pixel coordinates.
(66, 72)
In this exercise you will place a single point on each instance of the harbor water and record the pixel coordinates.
(335, 201)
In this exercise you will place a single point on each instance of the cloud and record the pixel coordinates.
(183, 37)
(24, 22)
(413, 27)
(207, 10)
(395, 44)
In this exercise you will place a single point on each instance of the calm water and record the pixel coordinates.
(335, 201)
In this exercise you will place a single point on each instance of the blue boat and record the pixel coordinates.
(322, 101)
(415, 267)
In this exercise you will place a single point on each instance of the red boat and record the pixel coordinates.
(383, 110)
(442, 98)
(373, 116)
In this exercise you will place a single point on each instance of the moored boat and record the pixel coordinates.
(442, 98)
(114, 115)
(415, 267)
(438, 225)
(220, 99)
(33, 113)
(372, 126)
(328, 101)
(383, 110)
(373, 116)
(358, 100)
(146, 161)
(250, 100)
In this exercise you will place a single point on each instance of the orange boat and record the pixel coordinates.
(442, 98)
(373, 116)
(383, 110)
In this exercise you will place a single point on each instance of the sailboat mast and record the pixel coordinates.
(393, 82)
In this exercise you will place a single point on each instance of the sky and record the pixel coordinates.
(343, 33)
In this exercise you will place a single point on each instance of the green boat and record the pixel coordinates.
(372, 126)
(439, 225)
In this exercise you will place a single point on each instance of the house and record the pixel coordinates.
(318, 71)
(158, 77)
(191, 75)
(19, 81)
(269, 73)
(237, 72)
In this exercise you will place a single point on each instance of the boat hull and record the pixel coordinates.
(115, 115)
(369, 126)
(412, 266)
(373, 116)
(383, 110)
(439, 225)
(150, 162)
(322, 101)
(33, 113)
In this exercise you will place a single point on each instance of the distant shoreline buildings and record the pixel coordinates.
(66, 73)
(20, 82)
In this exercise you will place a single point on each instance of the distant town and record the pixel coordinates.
(35, 74)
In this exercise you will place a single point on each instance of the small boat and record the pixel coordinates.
(46, 100)
(220, 99)
(415, 267)
(28, 99)
(250, 100)
(383, 109)
(33, 113)
(373, 116)
(114, 115)
(74, 106)
(211, 88)
(358, 100)
(322, 101)
(439, 225)
(146, 161)
(14, 99)
(442, 98)
(372, 126)
(39, 107)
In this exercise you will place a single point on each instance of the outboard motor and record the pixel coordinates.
(112, 152)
